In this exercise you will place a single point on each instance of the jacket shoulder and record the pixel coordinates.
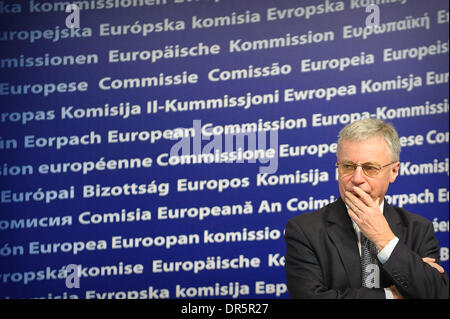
(319, 216)
(407, 218)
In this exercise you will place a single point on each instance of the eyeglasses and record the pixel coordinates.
(370, 169)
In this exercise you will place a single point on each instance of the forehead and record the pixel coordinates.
(373, 149)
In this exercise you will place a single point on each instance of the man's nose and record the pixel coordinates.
(358, 176)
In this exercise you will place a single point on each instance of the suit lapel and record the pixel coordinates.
(394, 221)
(341, 232)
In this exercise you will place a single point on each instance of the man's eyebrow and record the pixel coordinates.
(368, 162)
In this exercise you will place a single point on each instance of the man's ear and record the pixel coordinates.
(394, 172)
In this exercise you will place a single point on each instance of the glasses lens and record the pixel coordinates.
(370, 169)
(347, 168)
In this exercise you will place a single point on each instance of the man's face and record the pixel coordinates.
(373, 150)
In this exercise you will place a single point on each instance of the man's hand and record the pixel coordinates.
(431, 262)
(395, 292)
(365, 212)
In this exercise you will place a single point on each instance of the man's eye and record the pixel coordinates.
(347, 166)
(370, 168)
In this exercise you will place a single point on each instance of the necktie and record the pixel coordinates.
(370, 271)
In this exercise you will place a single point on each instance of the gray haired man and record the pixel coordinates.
(359, 246)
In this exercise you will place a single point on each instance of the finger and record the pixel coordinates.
(368, 201)
(430, 261)
(437, 267)
(349, 202)
(353, 216)
(440, 268)
(354, 202)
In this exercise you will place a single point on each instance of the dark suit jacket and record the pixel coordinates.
(322, 256)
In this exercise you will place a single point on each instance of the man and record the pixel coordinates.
(359, 246)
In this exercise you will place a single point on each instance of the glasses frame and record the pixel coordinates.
(379, 169)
